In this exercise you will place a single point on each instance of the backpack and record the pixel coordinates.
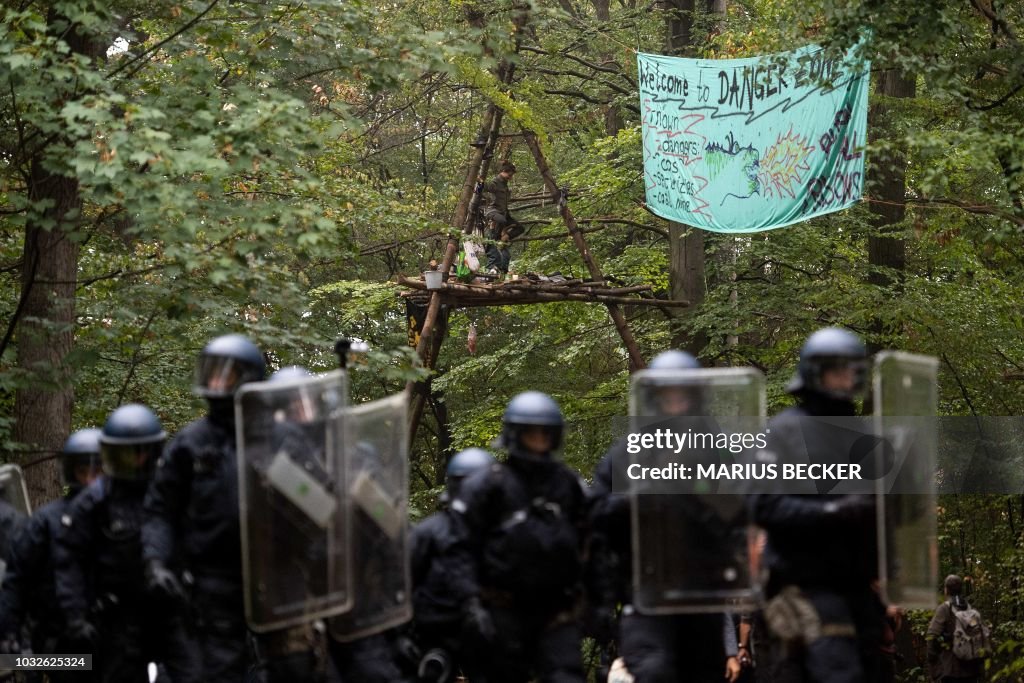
(972, 638)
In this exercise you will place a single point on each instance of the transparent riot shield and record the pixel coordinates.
(291, 483)
(14, 507)
(13, 491)
(692, 544)
(905, 394)
(377, 500)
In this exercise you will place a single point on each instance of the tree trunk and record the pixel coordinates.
(686, 278)
(46, 331)
(613, 122)
(686, 245)
(46, 326)
(889, 180)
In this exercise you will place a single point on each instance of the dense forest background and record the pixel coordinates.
(171, 171)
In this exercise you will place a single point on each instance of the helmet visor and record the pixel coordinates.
(73, 464)
(536, 439)
(134, 461)
(220, 376)
(840, 377)
(301, 406)
(670, 393)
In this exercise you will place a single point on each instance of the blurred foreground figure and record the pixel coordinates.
(824, 618)
(30, 617)
(686, 541)
(192, 524)
(99, 576)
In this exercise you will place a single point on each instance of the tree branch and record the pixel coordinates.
(590, 65)
(586, 77)
(579, 95)
(134, 363)
(970, 208)
(146, 53)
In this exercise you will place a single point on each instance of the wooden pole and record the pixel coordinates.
(467, 296)
(636, 361)
(428, 348)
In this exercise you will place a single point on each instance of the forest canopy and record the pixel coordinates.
(172, 171)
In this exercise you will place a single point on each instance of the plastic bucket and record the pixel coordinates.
(434, 278)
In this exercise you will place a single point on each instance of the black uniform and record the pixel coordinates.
(609, 568)
(99, 579)
(437, 601)
(192, 524)
(10, 522)
(654, 648)
(378, 567)
(438, 595)
(371, 659)
(825, 546)
(522, 523)
(28, 601)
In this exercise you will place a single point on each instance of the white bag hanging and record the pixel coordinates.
(471, 260)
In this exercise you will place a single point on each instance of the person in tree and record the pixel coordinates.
(501, 226)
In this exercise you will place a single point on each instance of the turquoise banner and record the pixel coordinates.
(744, 145)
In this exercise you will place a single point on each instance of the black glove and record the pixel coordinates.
(478, 620)
(162, 581)
(81, 631)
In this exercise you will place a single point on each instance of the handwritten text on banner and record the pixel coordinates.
(743, 145)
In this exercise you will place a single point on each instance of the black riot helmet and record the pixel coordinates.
(131, 442)
(528, 410)
(81, 450)
(225, 364)
(463, 464)
(828, 349)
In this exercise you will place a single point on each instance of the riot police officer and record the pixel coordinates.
(609, 570)
(820, 554)
(521, 523)
(99, 573)
(192, 511)
(367, 643)
(14, 508)
(437, 604)
(655, 647)
(28, 601)
(291, 543)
